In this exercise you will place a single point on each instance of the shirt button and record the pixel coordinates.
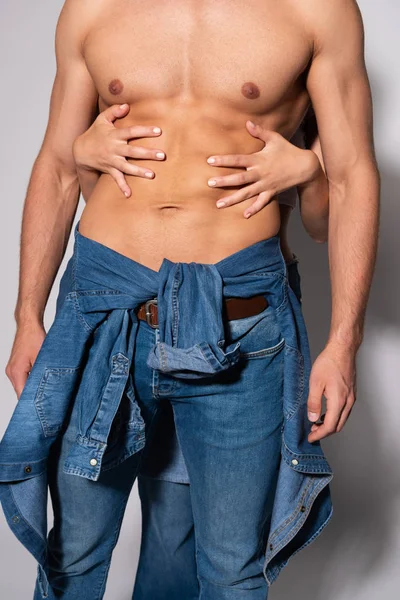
(303, 508)
(28, 469)
(93, 462)
(271, 547)
(295, 461)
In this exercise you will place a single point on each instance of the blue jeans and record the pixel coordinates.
(168, 547)
(229, 430)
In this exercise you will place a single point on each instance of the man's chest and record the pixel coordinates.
(239, 53)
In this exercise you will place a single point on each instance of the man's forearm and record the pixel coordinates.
(352, 245)
(49, 210)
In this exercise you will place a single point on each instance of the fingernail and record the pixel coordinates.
(211, 160)
(220, 203)
(123, 105)
(126, 194)
(212, 182)
(149, 174)
(160, 154)
(312, 416)
(252, 124)
(156, 130)
(247, 215)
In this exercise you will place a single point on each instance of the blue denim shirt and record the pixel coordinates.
(84, 365)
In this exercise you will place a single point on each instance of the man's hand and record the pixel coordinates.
(333, 375)
(104, 147)
(279, 166)
(27, 343)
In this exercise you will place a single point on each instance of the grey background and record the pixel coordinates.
(358, 554)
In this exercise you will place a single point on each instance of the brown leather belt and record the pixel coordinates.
(233, 308)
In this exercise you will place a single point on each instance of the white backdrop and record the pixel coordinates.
(358, 554)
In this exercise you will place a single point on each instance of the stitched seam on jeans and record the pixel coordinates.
(264, 352)
(283, 304)
(300, 389)
(175, 305)
(23, 518)
(74, 260)
(98, 292)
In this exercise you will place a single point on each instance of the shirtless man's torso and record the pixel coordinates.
(184, 67)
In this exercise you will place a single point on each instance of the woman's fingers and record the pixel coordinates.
(129, 151)
(131, 169)
(121, 182)
(244, 194)
(137, 131)
(241, 178)
(262, 200)
(231, 160)
(116, 111)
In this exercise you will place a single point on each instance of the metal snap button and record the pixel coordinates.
(295, 461)
(303, 508)
(93, 461)
(28, 469)
(15, 519)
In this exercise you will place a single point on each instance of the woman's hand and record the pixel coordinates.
(280, 165)
(104, 147)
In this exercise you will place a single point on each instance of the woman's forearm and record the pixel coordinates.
(87, 181)
(314, 201)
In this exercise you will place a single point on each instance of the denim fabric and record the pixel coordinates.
(294, 277)
(168, 537)
(163, 460)
(236, 444)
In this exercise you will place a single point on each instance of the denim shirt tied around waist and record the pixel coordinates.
(85, 361)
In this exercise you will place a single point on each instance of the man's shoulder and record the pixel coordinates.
(328, 19)
(79, 16)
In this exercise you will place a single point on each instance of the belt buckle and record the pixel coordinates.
(148, 313)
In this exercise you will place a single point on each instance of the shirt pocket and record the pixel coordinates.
(259, 335)
(54, 394)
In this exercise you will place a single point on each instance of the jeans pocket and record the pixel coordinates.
(53, 397)
(259, 335)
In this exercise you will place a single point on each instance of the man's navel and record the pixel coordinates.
(250, 90)
(115, 87)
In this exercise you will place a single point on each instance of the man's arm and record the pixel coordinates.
(339, 89)
(53, 190)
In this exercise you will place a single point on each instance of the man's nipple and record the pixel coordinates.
(115, 87)
(250, 90)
